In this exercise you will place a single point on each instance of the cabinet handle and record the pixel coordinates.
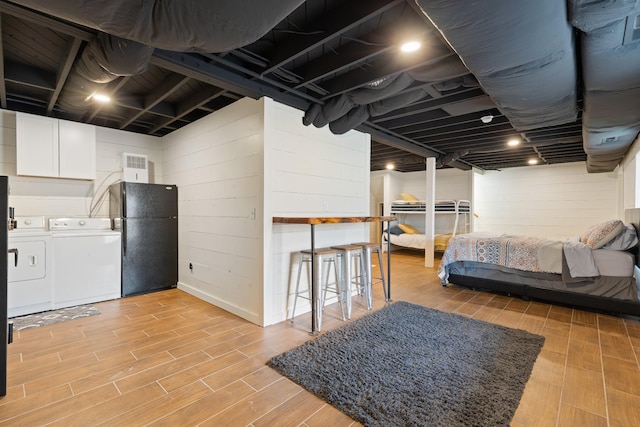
(14, 251)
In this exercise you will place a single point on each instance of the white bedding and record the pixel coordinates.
(417, 241)
(414, 241)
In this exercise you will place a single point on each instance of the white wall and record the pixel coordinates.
(308, 172)
(451, 184)
(235, 170)
(217, 164)
(223, 173)
(554, 201)
(630, 176)
(52, 197)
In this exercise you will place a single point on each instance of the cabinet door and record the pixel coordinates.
(77, 145)
(36, 145)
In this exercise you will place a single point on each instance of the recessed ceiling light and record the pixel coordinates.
(390, 166)
(411, 46)
(533, 161)
(486, 119)
(101, 97)
(513, 142)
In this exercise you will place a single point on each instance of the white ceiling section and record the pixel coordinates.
(563, 77)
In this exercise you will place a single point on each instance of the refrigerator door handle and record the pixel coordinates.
(15, 252)
(124, 236)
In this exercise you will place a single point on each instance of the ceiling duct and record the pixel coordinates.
(177, 25)
(611, 74)
(103, 60)
(132, 29)
(521, 53)
(349, 110)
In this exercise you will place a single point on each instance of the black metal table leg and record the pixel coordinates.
(388, 263)
(314, 285)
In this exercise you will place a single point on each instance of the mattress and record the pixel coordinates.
(418, 241)
(407, 240)
(623, 288)
(614, 263)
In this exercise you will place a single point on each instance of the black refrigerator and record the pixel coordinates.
(147, 216)
(4, 322)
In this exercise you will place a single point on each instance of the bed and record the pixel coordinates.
(596, 270)
(406, 236)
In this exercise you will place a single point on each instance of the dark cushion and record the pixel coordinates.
(395, 230)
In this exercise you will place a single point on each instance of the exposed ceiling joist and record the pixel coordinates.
(339, 20)
(63, 71)
(347, 47)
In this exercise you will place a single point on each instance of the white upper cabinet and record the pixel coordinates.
(77, 150)
(36, 145)
(54, 148)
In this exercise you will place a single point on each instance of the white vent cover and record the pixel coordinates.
(135, 168)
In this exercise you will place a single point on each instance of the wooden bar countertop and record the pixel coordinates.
(330, 220)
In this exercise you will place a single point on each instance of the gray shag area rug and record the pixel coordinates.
(408, 365)
(46, 318)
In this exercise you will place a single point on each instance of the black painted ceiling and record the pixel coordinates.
(323, 49)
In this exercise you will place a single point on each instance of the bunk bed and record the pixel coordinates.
(406, 236)
(596, 270)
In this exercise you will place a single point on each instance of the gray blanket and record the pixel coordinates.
(579, 260)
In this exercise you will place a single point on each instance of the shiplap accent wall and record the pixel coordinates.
(553, 201)
(52, 197)
(309, 172)
(235, 170)
(217, 164)
(630, 177)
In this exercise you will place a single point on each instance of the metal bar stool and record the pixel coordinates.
(323, 257)
(349, 256)
(367, 254)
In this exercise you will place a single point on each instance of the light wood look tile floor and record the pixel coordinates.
(170, 359)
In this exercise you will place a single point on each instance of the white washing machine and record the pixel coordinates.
(86, 261)
(29, 265)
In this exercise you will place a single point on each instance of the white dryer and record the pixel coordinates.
(29, 262)
(86, 261)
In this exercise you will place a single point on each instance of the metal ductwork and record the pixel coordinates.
(132, 29)
(610, 46)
